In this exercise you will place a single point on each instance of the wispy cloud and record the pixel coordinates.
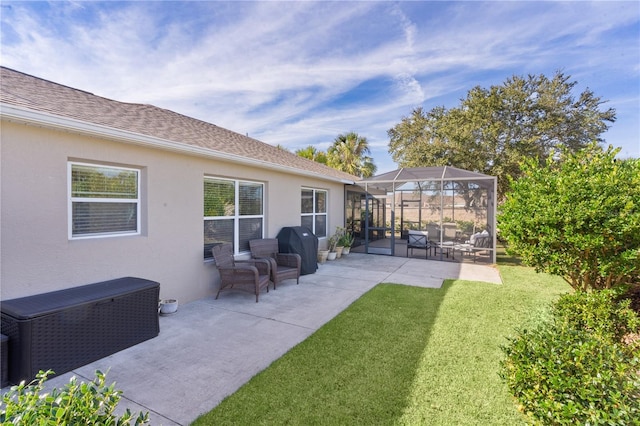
(299, 73)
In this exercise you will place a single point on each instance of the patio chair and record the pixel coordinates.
(479, 242)
(247, 275)
(418, 240)
(447, 245)
(283, 265)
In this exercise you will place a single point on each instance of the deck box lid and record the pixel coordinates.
(29, 307)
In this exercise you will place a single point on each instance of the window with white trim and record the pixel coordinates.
(104, 201)
(314, 210)
(233, 213)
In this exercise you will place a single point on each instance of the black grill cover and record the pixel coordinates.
(300, 239)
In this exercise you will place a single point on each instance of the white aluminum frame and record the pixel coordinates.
(314, 214)
(237, 216)
(71, 200)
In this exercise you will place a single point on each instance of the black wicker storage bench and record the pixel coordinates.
(66, 329)
(4, 361)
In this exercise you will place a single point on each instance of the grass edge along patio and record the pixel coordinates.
(400, 355)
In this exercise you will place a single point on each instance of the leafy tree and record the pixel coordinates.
(313, 154)
(349, 154)
(494, 129)
(577, 217)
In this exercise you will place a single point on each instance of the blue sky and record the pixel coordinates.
(300, 73)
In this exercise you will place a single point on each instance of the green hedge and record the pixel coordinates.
(575, 368)
(81, 403)
(578, 217)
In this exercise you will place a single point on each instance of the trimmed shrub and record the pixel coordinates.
(577, 217)
(600, 312)
(81, 403)
(574, 368)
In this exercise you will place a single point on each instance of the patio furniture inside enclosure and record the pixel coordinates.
(283, 265)
(450, 204)
(246, 275)
(418, 240)
(479, 243)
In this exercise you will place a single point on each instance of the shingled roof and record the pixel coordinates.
(97, 115)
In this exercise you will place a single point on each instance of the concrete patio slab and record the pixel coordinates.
(210, 348)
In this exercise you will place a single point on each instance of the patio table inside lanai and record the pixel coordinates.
(454, 206)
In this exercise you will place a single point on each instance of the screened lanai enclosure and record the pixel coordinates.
(453, 210)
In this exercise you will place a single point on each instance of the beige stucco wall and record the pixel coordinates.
(37, 255)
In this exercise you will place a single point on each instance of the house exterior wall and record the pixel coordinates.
(37, 255)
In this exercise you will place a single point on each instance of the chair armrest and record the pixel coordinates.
(238, 274)
(292, 260)
(263, 265)
(419, 244)
(483, 241)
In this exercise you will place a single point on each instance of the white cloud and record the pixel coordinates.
(278, 71)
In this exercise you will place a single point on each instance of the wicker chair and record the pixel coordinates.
(283, 265)
(248, 275)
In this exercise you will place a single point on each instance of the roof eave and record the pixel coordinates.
(28, 116)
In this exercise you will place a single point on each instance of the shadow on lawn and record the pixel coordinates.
(502, 258)
(357, 368)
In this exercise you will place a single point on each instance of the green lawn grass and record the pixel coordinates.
(400, 355)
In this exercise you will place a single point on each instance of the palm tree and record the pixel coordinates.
(349, 154)
(312, 153)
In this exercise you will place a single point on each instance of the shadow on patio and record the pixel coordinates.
(209, 348)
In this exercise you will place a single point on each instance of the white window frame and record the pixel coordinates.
(314, 213)
(236, 216)
(71, 199)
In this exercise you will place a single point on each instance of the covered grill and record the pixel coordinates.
(300, 240)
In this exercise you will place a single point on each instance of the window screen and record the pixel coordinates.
(233, 213)
(105, 200)
(314, 210)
